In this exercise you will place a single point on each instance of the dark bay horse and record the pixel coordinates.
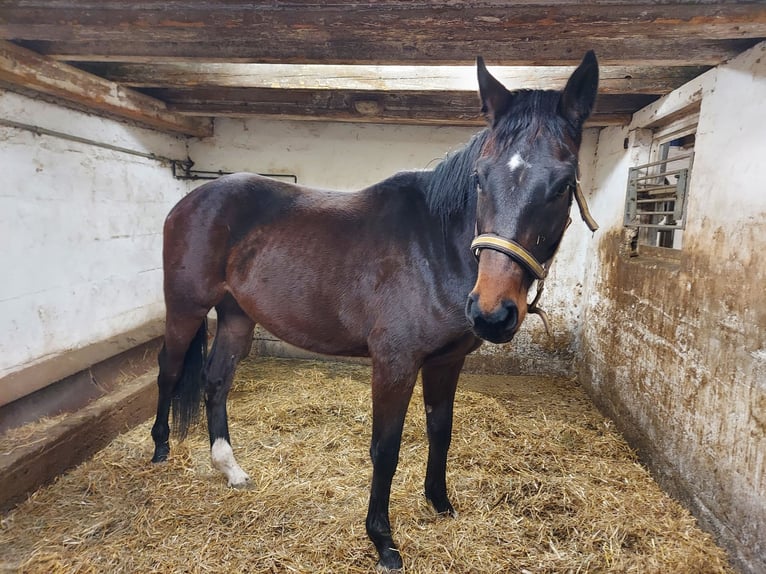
(413, 272)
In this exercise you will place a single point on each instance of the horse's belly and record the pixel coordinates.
(304, 313)
(320, 339)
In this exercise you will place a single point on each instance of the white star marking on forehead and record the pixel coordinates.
(516, 162)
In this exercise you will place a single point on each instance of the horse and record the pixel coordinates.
(413, 272)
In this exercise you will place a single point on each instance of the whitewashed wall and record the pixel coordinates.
(675, 351)
(343, 156)
(351, 156)
(80, 241)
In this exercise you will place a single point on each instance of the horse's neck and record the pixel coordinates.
(457, 229)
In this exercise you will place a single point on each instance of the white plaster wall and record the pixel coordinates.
(343, 156)
(80, 241)
(81, 226)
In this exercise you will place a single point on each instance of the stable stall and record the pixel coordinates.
(630, 438)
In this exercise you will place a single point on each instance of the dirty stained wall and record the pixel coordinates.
(675, 349)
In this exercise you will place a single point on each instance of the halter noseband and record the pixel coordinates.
(513, 250)
(521, 255)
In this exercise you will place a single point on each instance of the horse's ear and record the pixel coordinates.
(579, 96)
(495, 99)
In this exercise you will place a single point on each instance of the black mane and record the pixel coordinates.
(450, 184)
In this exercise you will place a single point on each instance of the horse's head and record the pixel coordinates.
(526, 177)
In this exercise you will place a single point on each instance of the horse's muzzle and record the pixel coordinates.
(498, 326)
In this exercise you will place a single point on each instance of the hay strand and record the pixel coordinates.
(542, 484)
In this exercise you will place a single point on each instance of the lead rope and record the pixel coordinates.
(532, 308)
(583, 205)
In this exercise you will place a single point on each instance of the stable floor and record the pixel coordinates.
(542, 484)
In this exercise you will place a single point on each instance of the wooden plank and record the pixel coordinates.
(699, 33)
(427, 50)
(194, 21)
(612, 79)
(430, 108)
(74, 439)
(28, 70)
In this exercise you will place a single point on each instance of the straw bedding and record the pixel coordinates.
(541, 481)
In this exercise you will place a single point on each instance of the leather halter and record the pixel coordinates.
(521, 255)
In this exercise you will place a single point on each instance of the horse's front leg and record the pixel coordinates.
(439, 385)
(391, 392)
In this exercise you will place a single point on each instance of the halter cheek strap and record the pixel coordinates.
(519, 254)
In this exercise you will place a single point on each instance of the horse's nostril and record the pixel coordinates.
(511, 314)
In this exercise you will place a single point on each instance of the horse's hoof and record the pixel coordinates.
(241, 484)
(390, 561)
(238, 478)
(160, 454)
(443, 509)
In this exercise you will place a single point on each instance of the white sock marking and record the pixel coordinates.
(223, 460)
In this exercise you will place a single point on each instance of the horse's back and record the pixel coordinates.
(235, 201)
(221, 225)
(201, 229)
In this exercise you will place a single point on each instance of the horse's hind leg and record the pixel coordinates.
(185, 341)
(233, 339)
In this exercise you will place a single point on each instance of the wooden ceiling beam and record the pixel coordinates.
(298, 20)
(30, 71)
(613, 79)
(389, 31)
(546, 51)
(645, 49)
(411, 107)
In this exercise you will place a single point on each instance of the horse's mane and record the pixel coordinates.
(450, 183)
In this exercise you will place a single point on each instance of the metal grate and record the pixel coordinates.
(656, 197)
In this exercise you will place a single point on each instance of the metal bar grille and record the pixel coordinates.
(656, 197)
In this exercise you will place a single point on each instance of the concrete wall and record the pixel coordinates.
(352, 156)
(675, 350)
(80, 241)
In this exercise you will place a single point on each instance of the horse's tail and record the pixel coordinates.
(187, 394)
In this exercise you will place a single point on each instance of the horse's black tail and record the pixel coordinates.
(187, 394)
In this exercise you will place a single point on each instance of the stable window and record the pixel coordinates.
(655, 204)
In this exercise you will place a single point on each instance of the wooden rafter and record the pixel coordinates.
(26, 69)
(613, 79)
